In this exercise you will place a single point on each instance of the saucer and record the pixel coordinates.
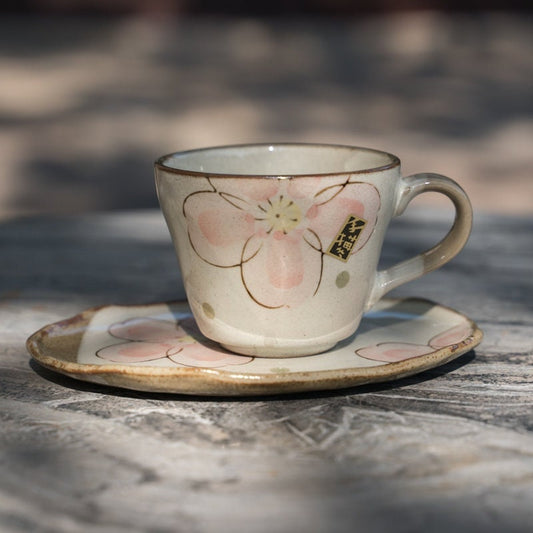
(159, 348)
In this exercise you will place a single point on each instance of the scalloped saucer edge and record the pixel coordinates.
(158, 348)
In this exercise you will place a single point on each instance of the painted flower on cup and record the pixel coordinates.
(150, 339)
(392, 352)
(277, 231)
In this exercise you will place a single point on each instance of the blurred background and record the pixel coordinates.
(91, 92)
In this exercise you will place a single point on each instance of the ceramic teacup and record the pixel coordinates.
(278, 244)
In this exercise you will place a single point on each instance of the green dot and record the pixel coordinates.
(342, 279)
(208, 310)
(280, 370)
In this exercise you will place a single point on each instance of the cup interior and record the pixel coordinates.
(279, 160)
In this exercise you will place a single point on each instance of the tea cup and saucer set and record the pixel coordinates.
(278, 246)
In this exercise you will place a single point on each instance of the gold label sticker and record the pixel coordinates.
(344, 242)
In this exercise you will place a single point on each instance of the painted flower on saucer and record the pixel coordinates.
(392, 352)
(150, 339)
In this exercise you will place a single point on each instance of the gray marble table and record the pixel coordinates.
(447, 449)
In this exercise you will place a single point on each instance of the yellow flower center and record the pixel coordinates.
(282, 215)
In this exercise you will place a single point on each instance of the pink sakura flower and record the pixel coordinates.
(150, 339)
(277, 231)
(391, 352)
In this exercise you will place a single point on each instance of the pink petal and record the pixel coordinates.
(359, 199)
(286, 270)
(391, 352)
(252, 190)
(200, 355)
(284, 263)
(146, 329)
(452, 336)
(134, 352)
(217, 228)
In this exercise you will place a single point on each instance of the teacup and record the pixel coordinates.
(278, 244)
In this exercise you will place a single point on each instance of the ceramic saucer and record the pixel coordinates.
(159, 348)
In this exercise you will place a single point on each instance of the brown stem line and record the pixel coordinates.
(186, 199)
(226, 196)
(253, 255)
(167, 355)
(317, 238)
(321, 273)
(244, 281)
(341, 187)
(321, 250)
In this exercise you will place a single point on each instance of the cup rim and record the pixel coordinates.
(160, 162)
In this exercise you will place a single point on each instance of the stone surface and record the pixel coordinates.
(448, 449)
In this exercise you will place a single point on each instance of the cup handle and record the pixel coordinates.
(441, 253)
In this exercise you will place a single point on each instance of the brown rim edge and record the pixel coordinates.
(159, 162)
